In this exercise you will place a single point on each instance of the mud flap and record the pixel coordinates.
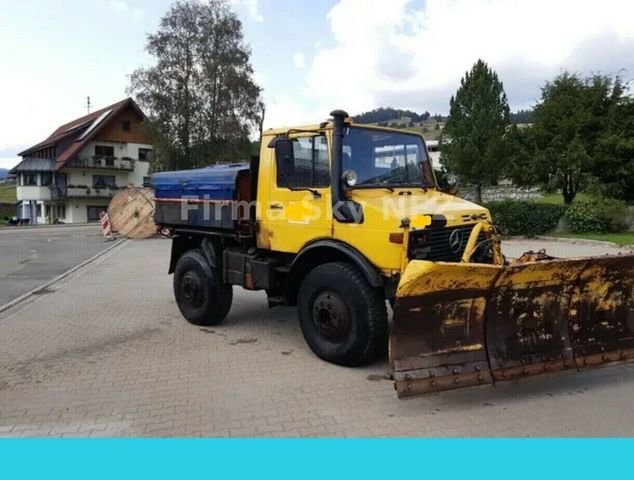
(460, 325)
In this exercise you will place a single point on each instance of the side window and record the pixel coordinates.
(321, 167)
(311, 167)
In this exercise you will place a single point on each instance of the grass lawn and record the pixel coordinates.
(622, 238)
(7, 194)
(558, 198)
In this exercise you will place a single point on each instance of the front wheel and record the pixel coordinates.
(343, 318)
(201, 296)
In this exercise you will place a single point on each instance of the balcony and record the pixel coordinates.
(82, 191)
(103, 162)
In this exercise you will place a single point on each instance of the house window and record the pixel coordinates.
(47, 178)
(311, 168)
(125, 125)
(144, 153)
(104, 151)
(92, 212)
(38, 210)
(30, 178)
(103, 181)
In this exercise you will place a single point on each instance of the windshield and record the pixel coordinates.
(382, 158)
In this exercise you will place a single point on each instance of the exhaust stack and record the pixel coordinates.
(342, 208)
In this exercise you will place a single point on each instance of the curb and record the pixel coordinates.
(579, 241)
(26, 295)
(45, 226)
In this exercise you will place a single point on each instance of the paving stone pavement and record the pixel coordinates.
(105, 352)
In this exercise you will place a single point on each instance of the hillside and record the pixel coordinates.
(430, 126)
(7, 194)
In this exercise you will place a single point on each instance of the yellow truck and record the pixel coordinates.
(343, 220)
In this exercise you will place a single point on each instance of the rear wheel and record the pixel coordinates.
(343, 318)
(200, 294)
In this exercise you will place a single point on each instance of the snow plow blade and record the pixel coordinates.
(459, 325)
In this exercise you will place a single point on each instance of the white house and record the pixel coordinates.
(71, 175)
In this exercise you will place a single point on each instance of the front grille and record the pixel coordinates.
(445, 245)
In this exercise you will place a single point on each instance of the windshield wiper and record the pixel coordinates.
(422, 186)
(371, 185)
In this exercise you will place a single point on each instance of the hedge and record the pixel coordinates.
(7, 210)
(522, 217)
(603, 215)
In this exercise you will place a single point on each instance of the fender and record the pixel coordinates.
(322, 251)
(181, 244)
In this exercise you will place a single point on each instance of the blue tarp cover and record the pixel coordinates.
(217, 182)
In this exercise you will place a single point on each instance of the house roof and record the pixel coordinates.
(34, 165)
(84, 128)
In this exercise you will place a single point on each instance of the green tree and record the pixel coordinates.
(520, 151)
(200, 96)
(615, 151)
(472, 142)
(569, 123)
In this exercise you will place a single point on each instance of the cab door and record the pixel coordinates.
(298, 208)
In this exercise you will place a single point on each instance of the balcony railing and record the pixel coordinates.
(103, 162)
(80, 191)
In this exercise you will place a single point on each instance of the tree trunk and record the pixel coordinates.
(569, 191)
(478, 192)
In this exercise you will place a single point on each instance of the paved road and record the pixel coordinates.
(107, 353)
(31, 256)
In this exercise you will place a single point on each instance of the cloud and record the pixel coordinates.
(118, 6)
(298, 60)
(413, 56)
(251, 6)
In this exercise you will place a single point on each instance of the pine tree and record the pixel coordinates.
(472, 142)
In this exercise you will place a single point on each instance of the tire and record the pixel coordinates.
(200, 294)
(343, 318)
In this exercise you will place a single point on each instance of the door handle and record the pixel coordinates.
(276, 206)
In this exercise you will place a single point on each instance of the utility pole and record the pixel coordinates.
(88, 104)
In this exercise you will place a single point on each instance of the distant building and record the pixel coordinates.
(433, 148)
(71, 176)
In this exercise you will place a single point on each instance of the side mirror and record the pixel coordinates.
(449, 183)
(349, 179)
(285, 157)
(450, 179)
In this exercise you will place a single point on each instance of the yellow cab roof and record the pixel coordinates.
(328, 126)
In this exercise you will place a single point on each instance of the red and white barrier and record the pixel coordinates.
(105, 226)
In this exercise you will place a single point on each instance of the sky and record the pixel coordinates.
(309, 57)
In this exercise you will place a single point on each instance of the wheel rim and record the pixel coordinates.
(191, 290)
(331, 317)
